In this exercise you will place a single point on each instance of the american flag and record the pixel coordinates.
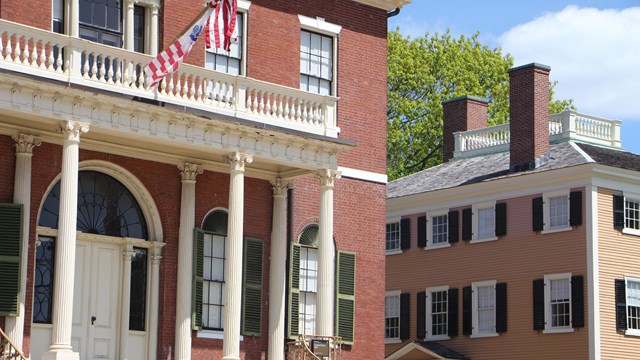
(227, 10)
(168, 60)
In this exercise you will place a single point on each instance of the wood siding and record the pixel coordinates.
(516, 259)
(618, 256)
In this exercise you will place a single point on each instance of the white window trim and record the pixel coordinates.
(625, 229)
(474, 308)
(430, 244)
(429, 321)
(548, 329)
(630, 332)
(474, 221)
(399, 249)
(547, 212)
(319, 25)
(394, 340)
(213, 334)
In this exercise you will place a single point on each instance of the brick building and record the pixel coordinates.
(218, 215)
(523, 244)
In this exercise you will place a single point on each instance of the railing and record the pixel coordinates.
(8, 350)
(301, 349)
(567, 125)
(77, 61)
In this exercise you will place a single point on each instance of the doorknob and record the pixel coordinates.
(93, 319)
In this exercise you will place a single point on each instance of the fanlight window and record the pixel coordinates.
(105, 207)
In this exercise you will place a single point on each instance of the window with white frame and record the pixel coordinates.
(214, 286)
(232, 62)
(308, 289)
(317, 55)
(558, 212)
(558, 301)
(633, 306)
(484, 221)
(631, 213)
(437, 313)
(438, 229)
(392, 316)
(392, 242)
(484, 308)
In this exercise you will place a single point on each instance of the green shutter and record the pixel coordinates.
(252, 287)
(197, 279)
(10, 245)
(345, 295)
(294, 291)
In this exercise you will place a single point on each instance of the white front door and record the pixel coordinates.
(96, 297)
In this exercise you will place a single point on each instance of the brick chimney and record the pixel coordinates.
(529, 116)
(461, 114)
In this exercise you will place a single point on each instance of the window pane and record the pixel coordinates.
(560, 301)
(43, 280)
(325, 87)
(58, 9)
(327, 47)
(316, 61)
(392, 317)
(632, 214)
(558, 211)
(316, 43)
(393, 236)
(439, 228)
(633, 305)
(486, 222)
(439, 313)
(138, 302)
(486, 309)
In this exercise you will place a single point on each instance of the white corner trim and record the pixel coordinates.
(363, 175)
(318, 24)
(581, 152)
(593, 276)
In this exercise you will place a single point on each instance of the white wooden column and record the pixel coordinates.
(233, 263)
(277, 271)
(64, 270)
(72, 17)
(188, 172)
(22, 195)
(152, 347)
(326, 255)
(125, 301)
(128, 29)
(153, 34)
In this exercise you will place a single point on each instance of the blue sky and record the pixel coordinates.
(593, 47)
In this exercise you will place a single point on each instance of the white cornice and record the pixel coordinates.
(385, 4)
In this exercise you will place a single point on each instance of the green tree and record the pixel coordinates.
(427, 70)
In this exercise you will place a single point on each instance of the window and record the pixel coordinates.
(626, 213)
(58, 16)
(215, 238)
(627, 300)
(317, 55)
(437, 313)
(632, 214)
(557, 211)
(484, 222)
(438, 230)
(392, 316)
(231, 62)
(138, 29)
(137, 309)
(392, 236)
(308, 289)
(558, 304)
(101, 21)
(633, 306)
(43, 280)
(484, 309)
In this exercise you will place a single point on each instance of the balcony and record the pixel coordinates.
(567, 125)
(68, 60)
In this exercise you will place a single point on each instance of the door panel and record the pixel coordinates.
(104, 300)
(81, 298)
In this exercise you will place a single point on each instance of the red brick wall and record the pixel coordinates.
(461, 114)
(529, 113)
(30, 12)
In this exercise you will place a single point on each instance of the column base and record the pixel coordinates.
(231, 357)
(60, 355)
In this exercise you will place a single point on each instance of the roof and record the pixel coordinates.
(496, 166)
(432, 349)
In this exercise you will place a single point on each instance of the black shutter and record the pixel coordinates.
(466, 224)
(454, 226)
(197, 279)
(293, 328)
(404, 315)
(421, 311)
(345, 296)
(452, 316)
(575, 208)
(501, 219)
(405, 234)
(422, 231)
(621, 304)
(538, 217)
(577, 301)
(538, 304)
(466, 311)
(10, 258)
(252, 287)
(618, 212)
(501, 307)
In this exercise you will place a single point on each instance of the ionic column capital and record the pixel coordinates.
(280, 188)
(328, 177)
(237, 160)
(188, 171)
(71, 130)
(25, 143)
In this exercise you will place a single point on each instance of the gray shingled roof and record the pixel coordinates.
(611, 157)
(495, 166)
(442, 350)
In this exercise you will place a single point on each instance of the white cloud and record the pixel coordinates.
(594, 54)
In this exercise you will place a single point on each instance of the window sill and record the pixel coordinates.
(392, 341)
(474, 241)
(630, 231)
(555, 230)
(632, 332)
(484, 335)
(437, 338)
(558, 330)
(437, 246)
(212, 334)
(393, 252)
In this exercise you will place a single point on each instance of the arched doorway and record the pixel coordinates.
(111, 300)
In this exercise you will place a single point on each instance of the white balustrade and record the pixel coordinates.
(60, 57)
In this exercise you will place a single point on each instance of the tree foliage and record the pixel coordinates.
(427, 70)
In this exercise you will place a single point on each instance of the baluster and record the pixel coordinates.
(261, 103)
(26, 53)
(228, 95)
(110, 72)
(170, 86)
(127, 75)
(305, 113)
(280, 109)
(43, 55)
(207, 91)
(94, 67)
(267, 104)
(118, 64)
(192, 88)
(9, 50)
(249, 104)
(1, 46)
(285, 108)
(162, 87)
(85, 64)
(298, 113)
(34, 53)
(59, 60)
(16, 51)
(199, 90)
(178, 88)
